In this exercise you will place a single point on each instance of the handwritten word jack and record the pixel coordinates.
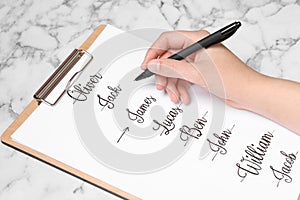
(109, 100)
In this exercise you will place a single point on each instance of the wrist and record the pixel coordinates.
(252, 92)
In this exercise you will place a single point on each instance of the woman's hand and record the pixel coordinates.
(216, 69)
(223, 74)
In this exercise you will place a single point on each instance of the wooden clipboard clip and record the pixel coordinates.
(60, 73)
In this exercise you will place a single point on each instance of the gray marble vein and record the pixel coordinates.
(36, 35)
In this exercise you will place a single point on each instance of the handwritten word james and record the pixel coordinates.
(285, 171)
(250, 164)
(168, 124)
(187, 132)
(220, 145)
(80, 92)
(109, 100)
(138, 114)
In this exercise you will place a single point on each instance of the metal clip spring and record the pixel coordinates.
(59, 74)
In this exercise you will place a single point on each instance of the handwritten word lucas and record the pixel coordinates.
(168, 124)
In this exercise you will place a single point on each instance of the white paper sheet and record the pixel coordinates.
(52, 131)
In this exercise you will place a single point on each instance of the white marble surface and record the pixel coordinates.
(36, 35)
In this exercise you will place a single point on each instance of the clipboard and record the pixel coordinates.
(40, 97)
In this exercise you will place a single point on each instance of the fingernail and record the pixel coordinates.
(154, 65)
(182, 100)
(159, 87)
(185, 101)
(143, 66)
(172, 96)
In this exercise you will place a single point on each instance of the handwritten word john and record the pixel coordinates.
(168, 124)
(80, 92)
(220, 145)
(286, 169)
(108, 101)
(250, 164)
(193, 132)
(138, 114)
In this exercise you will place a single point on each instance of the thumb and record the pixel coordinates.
(175, 69)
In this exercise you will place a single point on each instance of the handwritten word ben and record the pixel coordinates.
(194, 131)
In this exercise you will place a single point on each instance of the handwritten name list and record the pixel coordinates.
(251, 162)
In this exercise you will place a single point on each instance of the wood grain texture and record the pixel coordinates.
(30, 108)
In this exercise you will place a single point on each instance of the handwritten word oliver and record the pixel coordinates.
(80, 92)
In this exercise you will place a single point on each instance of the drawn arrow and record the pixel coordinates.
(124, 131)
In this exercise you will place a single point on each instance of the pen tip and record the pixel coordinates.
(144, 75)
(138, 78)
(238, 23)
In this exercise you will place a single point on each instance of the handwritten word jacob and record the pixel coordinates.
(284, 172)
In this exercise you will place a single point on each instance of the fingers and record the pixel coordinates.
(172, 91)
(161, 82)
(166, 41)
(176, 69)
(183, 89)
(177, 90)
(172, 40)
(168, 71)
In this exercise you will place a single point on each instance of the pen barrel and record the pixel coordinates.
(206, 42)
(186, 52)
(212, 39)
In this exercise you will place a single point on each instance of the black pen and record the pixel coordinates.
(206, 42)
